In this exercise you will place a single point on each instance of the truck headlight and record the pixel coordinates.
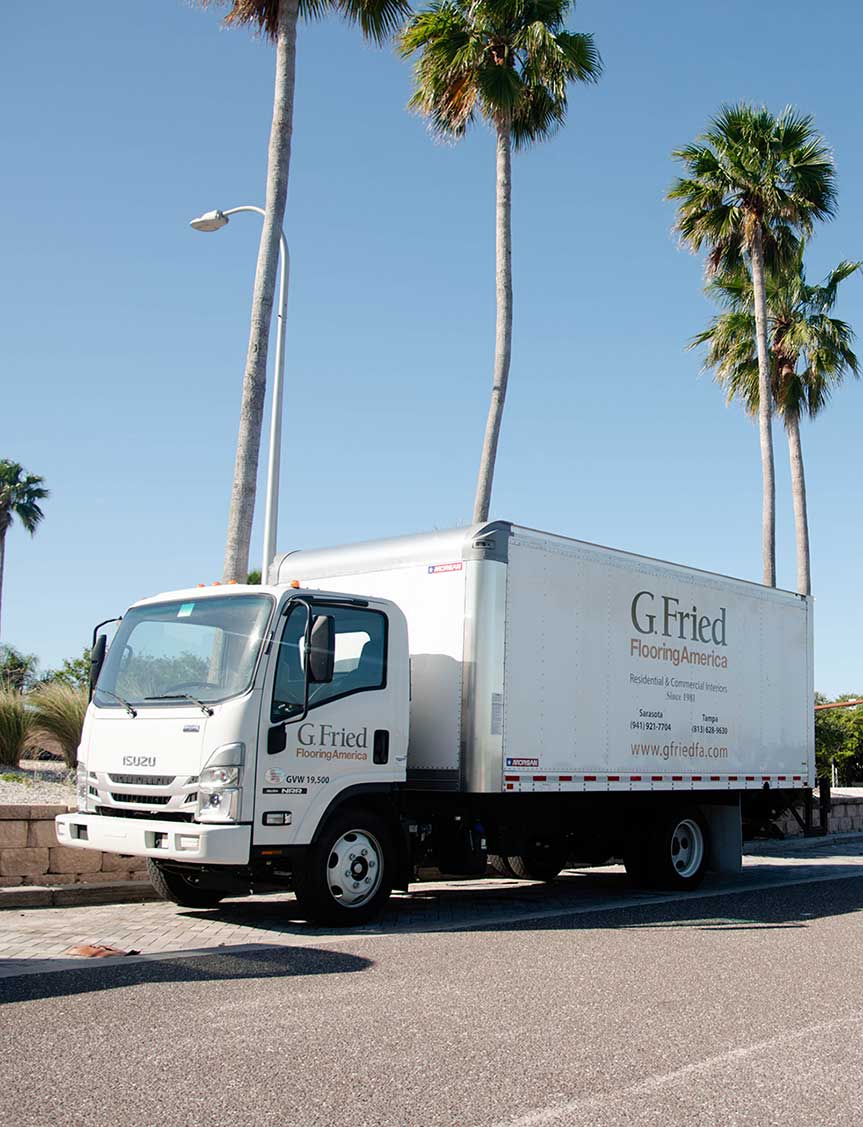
(220, 777)
(219, 805)
(219, 790)
(82, 786)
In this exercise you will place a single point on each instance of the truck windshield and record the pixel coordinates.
(205, 648)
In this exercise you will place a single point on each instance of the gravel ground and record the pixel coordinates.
(37, 781)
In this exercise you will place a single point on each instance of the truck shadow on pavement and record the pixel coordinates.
(229, 963)
(576, 900)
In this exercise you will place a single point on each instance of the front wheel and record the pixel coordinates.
(347, 875)
(181, 888)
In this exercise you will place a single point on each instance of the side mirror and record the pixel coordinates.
(97, 658)
(321, 652)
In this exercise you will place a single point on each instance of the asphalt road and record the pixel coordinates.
(729, 1009)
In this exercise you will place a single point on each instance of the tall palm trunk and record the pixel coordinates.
(4, 524)
(798, 496)
(765, 414)
(242, 508)
(503, 335)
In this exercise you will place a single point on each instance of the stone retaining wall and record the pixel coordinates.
(30, 853)
(846, 816)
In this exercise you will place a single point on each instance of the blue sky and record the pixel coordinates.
(123, 333)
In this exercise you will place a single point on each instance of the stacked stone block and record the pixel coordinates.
(846, 816)
(31, 855)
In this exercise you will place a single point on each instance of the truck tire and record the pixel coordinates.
(500, 865)
(175, 886)
(542, 859)
(347, 875)
(677, 849)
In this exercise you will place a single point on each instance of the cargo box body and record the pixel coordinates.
(545, 664)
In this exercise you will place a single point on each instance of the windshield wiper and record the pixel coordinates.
(132, 711)
(205, 708)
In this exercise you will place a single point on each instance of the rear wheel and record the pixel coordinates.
(181, 888)
(346, 876)
(677, 850)
(500, 865)
(542, 859)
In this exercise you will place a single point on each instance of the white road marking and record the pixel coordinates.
(550, 1115)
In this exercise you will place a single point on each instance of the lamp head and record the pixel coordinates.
(210, 221)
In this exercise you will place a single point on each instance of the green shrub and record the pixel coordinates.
(58, 712)
(16, 724)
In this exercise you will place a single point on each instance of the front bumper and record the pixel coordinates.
(178, 841)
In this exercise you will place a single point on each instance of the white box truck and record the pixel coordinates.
(490, 694)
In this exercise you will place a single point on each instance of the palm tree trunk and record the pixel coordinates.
(798, 494)
(244, 485)
(503, 335)
(765, 414)
(3, 527)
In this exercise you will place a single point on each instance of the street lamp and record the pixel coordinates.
(214, 221)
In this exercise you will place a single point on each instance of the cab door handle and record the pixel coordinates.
(277, 739)
(381, 746)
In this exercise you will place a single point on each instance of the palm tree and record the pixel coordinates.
(810, 353)
(20, 494)
(509, 63)
(752, 184)
(277, 19)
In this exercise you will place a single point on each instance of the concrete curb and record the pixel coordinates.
(76, 895)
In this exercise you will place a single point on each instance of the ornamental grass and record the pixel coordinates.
(16, 724)
(58, 712)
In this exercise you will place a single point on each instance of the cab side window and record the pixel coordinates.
(360, 665)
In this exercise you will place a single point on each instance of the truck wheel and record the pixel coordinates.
(500, 865)
(181, 889)
(348, 873)
(677, 850)
(542, 859)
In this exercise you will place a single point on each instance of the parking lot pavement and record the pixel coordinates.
(38, 939)
(728, 1008)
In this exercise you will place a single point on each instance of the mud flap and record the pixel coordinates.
(725, 837)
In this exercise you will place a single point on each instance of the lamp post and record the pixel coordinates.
(214, 221)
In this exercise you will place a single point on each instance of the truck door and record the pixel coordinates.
(350, 735)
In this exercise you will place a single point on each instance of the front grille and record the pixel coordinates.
(143, 799)
(142, 780)
(169, 815)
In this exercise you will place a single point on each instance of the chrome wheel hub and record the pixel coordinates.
(687, 847)
(355, 868)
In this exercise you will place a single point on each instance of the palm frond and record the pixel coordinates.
(510, 61)
(377, 19)
(20, 494)
(811, 352)
(751, 171)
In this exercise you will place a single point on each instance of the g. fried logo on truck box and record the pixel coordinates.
(667, 620)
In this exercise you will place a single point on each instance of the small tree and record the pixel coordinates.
(74, 672)
(839, 740)
(17, 670)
